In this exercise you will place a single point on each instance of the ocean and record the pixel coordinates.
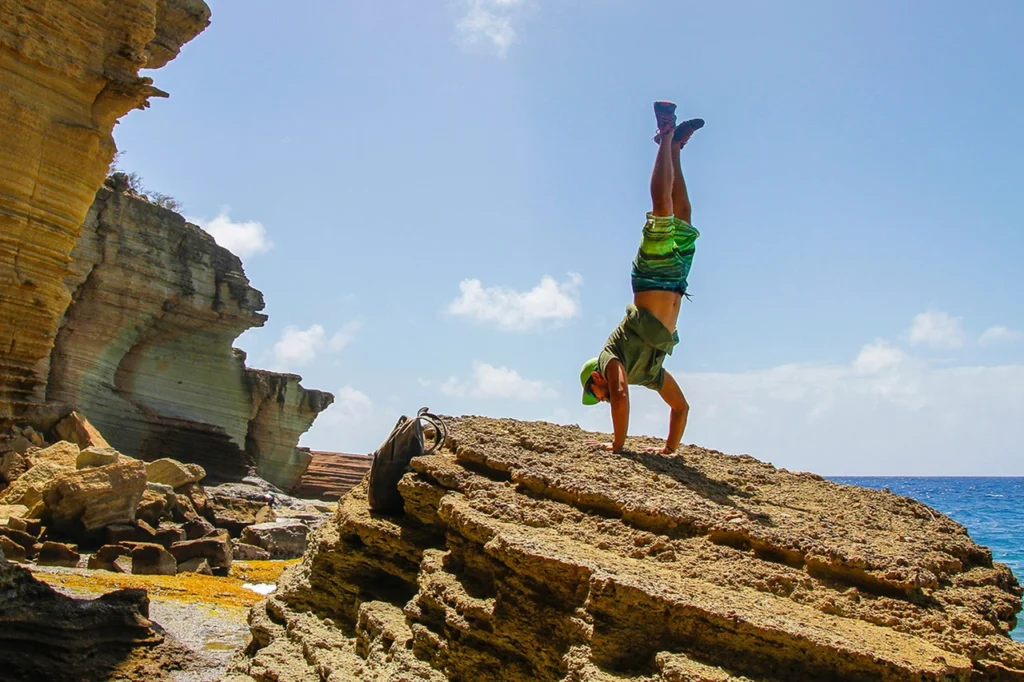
(992, 510)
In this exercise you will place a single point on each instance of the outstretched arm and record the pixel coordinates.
(673, 395)
(618, 396)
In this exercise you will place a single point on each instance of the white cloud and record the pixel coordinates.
(878, 356)
(346, 335)
(298, 347)
(997, 335)
(488, 23)
(938, 330)
(489, 381)
(510, 310)
(242, 238)
(353, 423)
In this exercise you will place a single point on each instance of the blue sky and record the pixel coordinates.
(440, 201)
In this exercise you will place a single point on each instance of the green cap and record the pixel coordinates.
(589, 367)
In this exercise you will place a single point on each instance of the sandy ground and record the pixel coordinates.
(207, 614)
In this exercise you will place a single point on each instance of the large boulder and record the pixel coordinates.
(63, 453)
(241, 551)
(77, 429)
(173, 473)
(282, 539)
(215, 550)
(152, 559)
(86, 500)
(235, 506)
(28, 489)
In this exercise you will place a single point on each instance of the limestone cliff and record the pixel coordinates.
(524, 556)
(145, 351)
(68, 70)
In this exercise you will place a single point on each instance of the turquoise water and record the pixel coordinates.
(992, 510)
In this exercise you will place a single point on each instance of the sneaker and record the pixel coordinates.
(665, 115)
(686, 129)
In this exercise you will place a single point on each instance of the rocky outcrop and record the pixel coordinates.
(331, 474)
(523, 555)
(68, 71)
(145, 350)
(45, 635)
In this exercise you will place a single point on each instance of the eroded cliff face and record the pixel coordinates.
(68, 70)
(524, 556)
(144, 348)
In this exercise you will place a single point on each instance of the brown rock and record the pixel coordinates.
(266, 515)
(33, 437)
(196, 496)
(524, 555)
(241, 551)
(167, 534)
(96, 457)
(283, 539)
(106, 555)
(227, 510)
(77, 429)
(173, 473)
(152, 559)
(26, 540)
(196, 565)
(58, 554)
(9, 511)
(28, 489)
(18, 444)
(151, 507)
(122, 564)
(121, 532)
(33, 527)
(12, 465)
(89, 499)
(198, 528)
(216, 551)
(11, 549)
(62, 453)
(144, 532)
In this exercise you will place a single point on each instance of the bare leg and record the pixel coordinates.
(680, 199)
(661, 177)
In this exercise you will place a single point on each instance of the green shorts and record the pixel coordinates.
(666, 253)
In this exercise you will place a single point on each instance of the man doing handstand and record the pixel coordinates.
(635, 351)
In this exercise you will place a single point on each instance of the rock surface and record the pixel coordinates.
(282, 539)
(173, 473)
(145, 349)
(28, 489)
(524, 555)
(58, 554)
(151, 559)
(331, 474)
(68, 71)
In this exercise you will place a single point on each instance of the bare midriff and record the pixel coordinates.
(664, 305)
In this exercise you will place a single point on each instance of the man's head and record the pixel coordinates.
(595, 386)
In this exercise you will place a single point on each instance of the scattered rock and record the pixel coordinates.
(198, 528)
(19, 444)
(196, 565)
(77, 429)
(151, 559)
(144, 532)
(215, 550)
(28, 489)
(122, 564)
(62, 453)
(12, 465)
(27, 541)
(283, 539)
(89, 499)
(235, 506)
(173, 473)
(9, 511)
(11, 549)
(266, 515)
(121, 532)
(106, 555)
(96, 457)
(33, 527)
(241, 551)
(58, 554)
(33, 437)
(151, 506)
(196, 496)
(168, 533)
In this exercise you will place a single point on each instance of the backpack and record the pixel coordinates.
(391, 460)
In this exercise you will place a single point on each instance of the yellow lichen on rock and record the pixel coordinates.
(68, 71)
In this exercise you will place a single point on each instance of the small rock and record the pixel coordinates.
(123, 564)
(167, 534)
(196, 565)
(9, 511)
(58, 554)
(151, 559)
(120, 532)
(151, 506)
(77, 429)
(25, 540)
(33, 436)
(106, 555)
(266, 515)
(198, 528)
(174, 473)
(96, 457)
(283, 539)
(215, 550)
(241, 551)
(11, 549)
(18, 444)
(33, 527)
(144, 532)
(63, 453)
